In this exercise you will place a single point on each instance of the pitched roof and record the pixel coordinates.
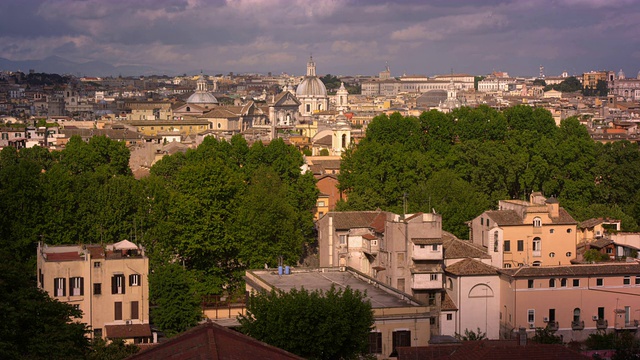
(358, 219)
(447, 303)
(455, 248)
(426, 241)
(511, 217)
(127, 331)
(470, 266)
(574, 270)
(214, 342)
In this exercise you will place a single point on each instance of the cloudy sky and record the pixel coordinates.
(345, 36)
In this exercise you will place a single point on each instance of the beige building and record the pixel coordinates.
(108, 283)
(537, 232)
(399, 319)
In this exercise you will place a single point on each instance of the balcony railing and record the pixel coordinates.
(577, 325)
(602, 324)
(552, 325)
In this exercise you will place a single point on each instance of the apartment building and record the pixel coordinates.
(537, 232)
(402, 251)
(573, 300)
(108, 283)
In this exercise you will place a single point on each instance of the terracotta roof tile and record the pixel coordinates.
(470, 266)
(455, 248)
(425, 241)
(447, 303)
(574, 270)
(355, 219)
(64, 256)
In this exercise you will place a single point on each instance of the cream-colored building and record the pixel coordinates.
(399, 319)
(537, 233)
(108, 283)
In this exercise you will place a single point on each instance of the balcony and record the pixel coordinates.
(552, 325)
(602, 324)
(577, 325)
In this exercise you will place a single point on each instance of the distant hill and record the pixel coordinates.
(59, 65)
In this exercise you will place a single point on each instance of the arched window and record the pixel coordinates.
(344, 141)
(319, 106)
(537, 222)
(576, 315)
(188, 108)
(495, 241)
(552, 283)
(537, 244)
(537, 263)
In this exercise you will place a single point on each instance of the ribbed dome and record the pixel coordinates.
(202, 97)
(311, 86)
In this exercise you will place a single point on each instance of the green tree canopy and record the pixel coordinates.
(316, 325)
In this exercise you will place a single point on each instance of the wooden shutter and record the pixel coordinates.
(134, 309)
(114, 285)
(123, 283)
(117, 310)
(82, 286)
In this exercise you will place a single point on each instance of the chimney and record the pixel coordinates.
(522, 336)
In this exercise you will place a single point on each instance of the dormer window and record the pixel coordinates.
(537, 222)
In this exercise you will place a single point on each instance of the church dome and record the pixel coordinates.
(311, 86)
(201, 97)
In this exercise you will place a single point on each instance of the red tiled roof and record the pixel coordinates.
(127, 331)
(214, 342)
(369, 237)
(471, 267)
(64, 256)
(490, 350)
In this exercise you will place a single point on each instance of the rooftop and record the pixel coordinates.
(380, 295)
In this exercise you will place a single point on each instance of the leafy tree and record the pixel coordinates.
(546, 336)
(324, 152)
(33, 325)
(594, 256)
(470, 335)
(539, 82)
(172, 291)
(117, 349)
(317, 325)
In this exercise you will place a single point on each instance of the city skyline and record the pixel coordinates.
(345, 37)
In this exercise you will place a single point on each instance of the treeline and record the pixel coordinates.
(212, 212)
(462, 163)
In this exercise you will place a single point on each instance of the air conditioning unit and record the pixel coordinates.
(545, 319)
(594, 317)
(128, 322)
(531, 326)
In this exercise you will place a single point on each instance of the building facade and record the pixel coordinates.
(108, 283)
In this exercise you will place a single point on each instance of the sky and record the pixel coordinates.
(345, 37)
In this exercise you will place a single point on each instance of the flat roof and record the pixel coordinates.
(379, 295)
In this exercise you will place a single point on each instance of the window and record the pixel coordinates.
(117, 284)
(552, 254)
(96, 264)
(60, 286)
(97, 289)
(568, 254)
(134, 280)
(97, 333)
(375, 343)
(552, 314)
(374, 242)
(495, 241)
(600, 282)
(401, 284)
(563, 282)
(487, 222)
(134, 309)
(507, 246)
(536, 244)
(400, 258)
(576, 282)
(308, 107)
(434, 247)
(537, 263)
(343, 239)
(401, 338)
(449, 317)
(626, 280)
(601, 313)
(637, 280)
(507, 266)
(520, 245)
(550, 231)
(117, 310)
(481, 221)
(531, 316)
(568, 231)
(576, 315)
(530, 283)
(432, 298)
(434, 277)
(609, 251)
(537, 222)
(76, 286)
(552, 283)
